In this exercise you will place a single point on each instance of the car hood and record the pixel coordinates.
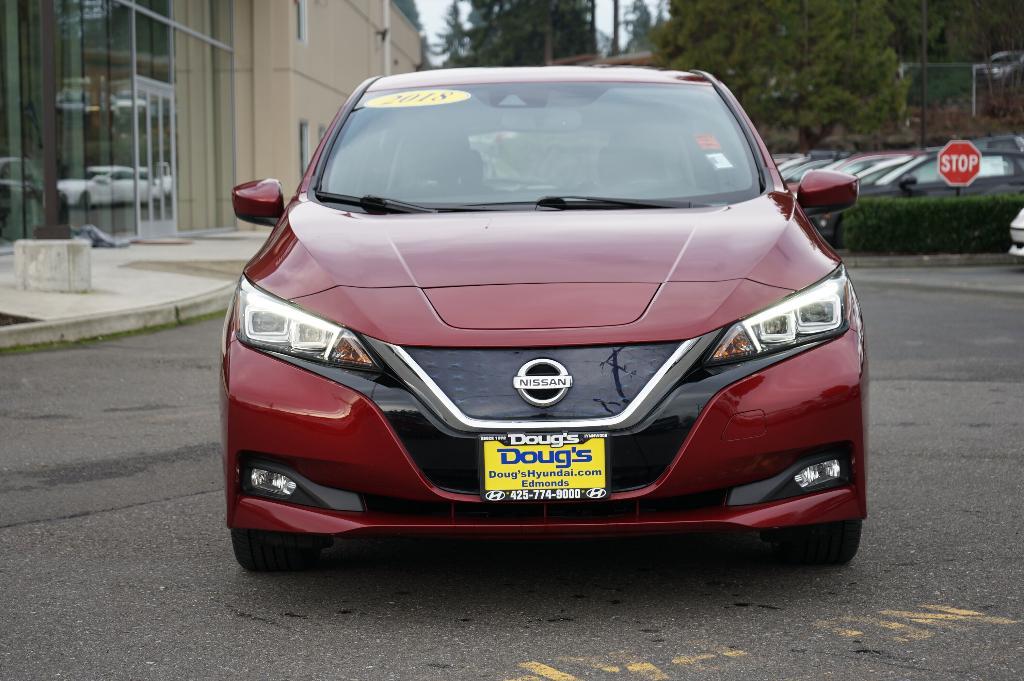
(549, 276)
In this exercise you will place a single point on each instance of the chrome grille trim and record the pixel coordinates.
(420, 383)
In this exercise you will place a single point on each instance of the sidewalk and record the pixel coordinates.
(145, 284)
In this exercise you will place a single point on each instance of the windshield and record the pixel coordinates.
(899, 171)
(513, 144)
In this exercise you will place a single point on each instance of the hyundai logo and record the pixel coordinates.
(542, 382)
(597, 493)
(494, 495)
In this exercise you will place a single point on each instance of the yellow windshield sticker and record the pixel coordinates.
(417, 98)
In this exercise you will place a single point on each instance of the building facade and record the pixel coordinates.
(163, 105)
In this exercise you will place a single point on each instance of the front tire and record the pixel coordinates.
(260, 551)
(825, 544)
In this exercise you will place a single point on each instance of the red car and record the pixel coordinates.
(543, 303)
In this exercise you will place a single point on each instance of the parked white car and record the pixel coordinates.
(114, 185)
(1017, 235)
(101, 186)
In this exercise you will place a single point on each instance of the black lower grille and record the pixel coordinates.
(558, 511)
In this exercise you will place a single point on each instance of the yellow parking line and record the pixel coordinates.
(947, 613)
(693, 659)
(596, 662)
(547, 672)
(907, 632)
(647, 670)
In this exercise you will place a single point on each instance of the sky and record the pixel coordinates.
(432, 15)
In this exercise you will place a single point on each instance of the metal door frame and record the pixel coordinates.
(163, 94)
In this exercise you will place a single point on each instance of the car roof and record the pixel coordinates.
(533, 74)
(106, 169)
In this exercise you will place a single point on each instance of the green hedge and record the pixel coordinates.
(967, 224)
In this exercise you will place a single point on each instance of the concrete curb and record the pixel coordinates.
(864, 260)
(94, 326)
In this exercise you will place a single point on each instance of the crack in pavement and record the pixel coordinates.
(83, 514)
(106, 469)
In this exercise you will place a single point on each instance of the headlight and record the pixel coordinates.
(811, 315)
(274, 324)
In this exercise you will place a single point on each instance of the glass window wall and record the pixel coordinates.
(144, 116)
(21, 186)
(95, 150)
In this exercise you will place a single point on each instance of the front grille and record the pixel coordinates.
(450, 459)
(605, 379)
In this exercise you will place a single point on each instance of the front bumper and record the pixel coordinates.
(713, 435)
(1017, 236)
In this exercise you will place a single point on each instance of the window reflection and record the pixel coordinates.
(145, 152)
(94, 115)
(152, 48)
(21, 188)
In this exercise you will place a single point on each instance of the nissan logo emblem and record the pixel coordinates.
(542, 382)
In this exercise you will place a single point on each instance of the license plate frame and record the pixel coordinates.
(547, 459)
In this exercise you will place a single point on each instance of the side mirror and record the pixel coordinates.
(826, 191)
(260, 202)
(907, 183)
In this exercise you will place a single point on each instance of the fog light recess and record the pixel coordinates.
(269, 481)
(819, 473)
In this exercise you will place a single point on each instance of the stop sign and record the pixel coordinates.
(959, 163)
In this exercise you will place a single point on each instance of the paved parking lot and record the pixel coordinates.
(115, 563)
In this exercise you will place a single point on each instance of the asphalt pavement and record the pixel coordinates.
(115, 564)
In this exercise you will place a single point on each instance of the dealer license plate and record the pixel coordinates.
(544, 467)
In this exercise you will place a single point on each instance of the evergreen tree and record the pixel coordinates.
(515, 32)
(639, 23)
(411, 12)
(453, 40)
(810, 65)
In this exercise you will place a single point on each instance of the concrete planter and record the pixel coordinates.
(62, 265)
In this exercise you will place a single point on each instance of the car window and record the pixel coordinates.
(995, 165)
(893, 174)
(121, 175)
(881, 166)
(926, 172)
(518, 142)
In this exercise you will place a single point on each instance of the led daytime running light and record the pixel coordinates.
(271, 323)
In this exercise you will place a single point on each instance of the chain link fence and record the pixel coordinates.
(985, 89)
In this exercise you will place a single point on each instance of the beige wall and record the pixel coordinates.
(280, 80)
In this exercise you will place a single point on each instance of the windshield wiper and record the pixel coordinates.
(374, 203)
(571, 202)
